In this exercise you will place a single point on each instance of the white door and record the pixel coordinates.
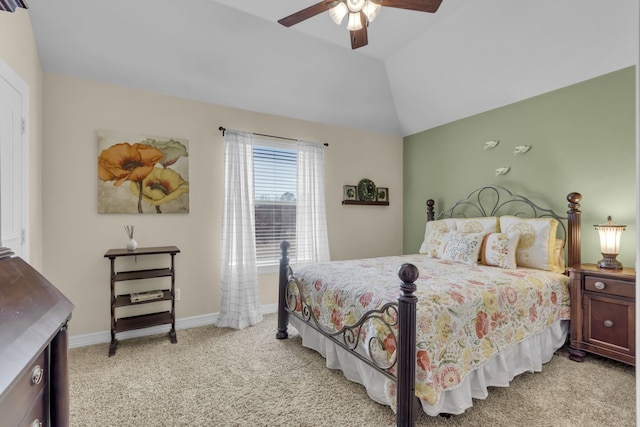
(12, 162)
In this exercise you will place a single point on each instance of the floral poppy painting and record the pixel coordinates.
(142, 174)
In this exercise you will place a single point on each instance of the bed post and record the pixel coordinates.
(430, 204)
(405, 391)
(573, 238)
(283, 315)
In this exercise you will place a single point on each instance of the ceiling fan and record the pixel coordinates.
(360, 14)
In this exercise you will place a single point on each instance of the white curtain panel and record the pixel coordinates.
(240, 305)
(312, 241)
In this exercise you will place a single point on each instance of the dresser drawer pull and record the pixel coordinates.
(36, 423)
(36, 375)
(608, 323)
(599, 285)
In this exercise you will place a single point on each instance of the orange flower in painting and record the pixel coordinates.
(124, 161)
(423, 360)
(482, 324)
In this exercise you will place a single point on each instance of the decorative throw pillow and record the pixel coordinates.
(435, 236)
(536, 246)
(463, 247)
(487, 224)
(499, 250)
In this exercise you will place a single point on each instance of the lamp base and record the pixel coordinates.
(610, 261)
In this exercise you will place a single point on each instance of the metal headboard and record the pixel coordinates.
(495, 200)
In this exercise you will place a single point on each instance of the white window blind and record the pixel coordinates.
(274, 175)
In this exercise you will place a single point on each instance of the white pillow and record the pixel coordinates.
(463, 247)
(487, 224)
(499, 250)
(435, 236)
(536, 246)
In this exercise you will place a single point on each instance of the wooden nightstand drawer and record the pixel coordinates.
(609, 286)
(603, 313)
(608, 323)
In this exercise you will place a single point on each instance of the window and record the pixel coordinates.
(274, 175)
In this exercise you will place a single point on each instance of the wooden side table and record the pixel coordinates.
(122, 324)
(603, 313)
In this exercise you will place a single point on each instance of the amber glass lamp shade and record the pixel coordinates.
(610, 244)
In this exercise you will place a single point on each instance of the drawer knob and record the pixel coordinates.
(36, 423)
(608, 323)
(600, 285)
(36, 375)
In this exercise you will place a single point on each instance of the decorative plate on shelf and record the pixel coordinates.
(366, 190)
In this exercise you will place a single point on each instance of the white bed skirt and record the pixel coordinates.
(527, 356)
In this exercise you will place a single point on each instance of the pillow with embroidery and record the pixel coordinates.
(435, 235)
(463, 247)
(487, 224)
(536, 246)
(499, 250)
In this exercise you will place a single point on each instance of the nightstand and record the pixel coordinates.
(603, 313)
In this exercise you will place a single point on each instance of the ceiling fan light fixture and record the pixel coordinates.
(355, 6)
(338, 12)
(355, 23)
(371, 9)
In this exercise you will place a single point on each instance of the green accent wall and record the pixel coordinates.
(582, 138)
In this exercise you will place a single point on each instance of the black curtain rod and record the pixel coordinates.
(222, 129)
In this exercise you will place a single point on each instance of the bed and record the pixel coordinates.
(486, 299)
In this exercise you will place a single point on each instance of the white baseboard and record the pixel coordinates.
(184, 323)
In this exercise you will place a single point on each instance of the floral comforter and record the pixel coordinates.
(465, 314)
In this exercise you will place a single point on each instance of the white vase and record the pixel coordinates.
(132, 244)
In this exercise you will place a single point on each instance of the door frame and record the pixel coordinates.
(11, 77)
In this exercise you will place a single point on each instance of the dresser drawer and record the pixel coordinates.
(37, 416)
(609, 286)
(29, 386)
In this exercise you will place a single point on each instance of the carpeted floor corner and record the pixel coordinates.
(224, 377)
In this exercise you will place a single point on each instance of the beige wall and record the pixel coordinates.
(18, 50)
(76, 236)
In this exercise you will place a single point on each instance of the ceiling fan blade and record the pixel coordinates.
(304, 14)
(11, 5)
(359, 37)
(419, 5)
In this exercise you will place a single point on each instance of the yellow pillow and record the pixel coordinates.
(499, 250)
(435, 235)
(559, 265)
(536, 246)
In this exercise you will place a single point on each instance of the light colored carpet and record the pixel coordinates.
(223, 377)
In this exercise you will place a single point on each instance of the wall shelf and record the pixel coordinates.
(360, 202)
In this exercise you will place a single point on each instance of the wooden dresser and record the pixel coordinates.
(603, 313)
(34, 384)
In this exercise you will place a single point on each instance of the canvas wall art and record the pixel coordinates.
(142, 174)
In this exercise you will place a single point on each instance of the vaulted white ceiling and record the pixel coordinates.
(419, 70)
